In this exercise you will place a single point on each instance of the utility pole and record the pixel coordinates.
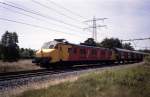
(95, 26)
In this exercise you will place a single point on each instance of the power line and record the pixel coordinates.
(137, 39)
(95, 26)
(60, 6)
(39, 19)
(146, 47)
(96, 19)
(50, 8)
(36, 26)
(28, 24)
(36, 13)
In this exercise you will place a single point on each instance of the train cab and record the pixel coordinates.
(44, 55)
(52, 52)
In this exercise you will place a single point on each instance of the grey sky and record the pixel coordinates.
(127, 19)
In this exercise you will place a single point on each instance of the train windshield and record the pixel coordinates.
(49, 45)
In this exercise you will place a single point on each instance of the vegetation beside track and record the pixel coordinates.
(147, 60)
(129, 82)
(20, 65)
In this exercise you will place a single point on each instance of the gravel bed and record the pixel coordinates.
(11, 85)
(5, 85)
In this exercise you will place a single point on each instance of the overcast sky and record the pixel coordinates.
(127, 19)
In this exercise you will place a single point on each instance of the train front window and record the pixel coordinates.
(48, 45)
(51, 46)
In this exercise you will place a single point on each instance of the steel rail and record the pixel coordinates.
(43, 72)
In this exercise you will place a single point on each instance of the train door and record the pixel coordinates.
(63, 52)
(109, 54)
(82, 53)
(73, 54)
(103, 53)
(60, 55)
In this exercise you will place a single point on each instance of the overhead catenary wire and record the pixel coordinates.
(136, 40)
(146, 47)
(58, 12)
(36, 26)
(62, 7)
(47, 6)
(50, 8)
(36, 18)
(148, 38)
(41, 15)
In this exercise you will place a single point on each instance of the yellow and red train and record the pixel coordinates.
(57, 51)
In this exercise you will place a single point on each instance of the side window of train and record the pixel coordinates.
(70, 50)
(82, 51)
(74, 50)
(103, 52)
(94, 52)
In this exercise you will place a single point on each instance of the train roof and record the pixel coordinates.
(130, 51)
(89, 46)
(66, 42)
(63, 41)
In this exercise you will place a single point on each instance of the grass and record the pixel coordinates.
(147, 60)
(131, 82)
(17, 66)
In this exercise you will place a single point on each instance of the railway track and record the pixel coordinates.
(11, 80)
(42, 72)
(25, 74)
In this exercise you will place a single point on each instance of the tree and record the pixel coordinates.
(14, 37)
(108, 43)
(26, 53)
(111, 43)
(89, 42)
(127, 46)
(10, 48)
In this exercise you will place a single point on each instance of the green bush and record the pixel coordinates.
(26, 53)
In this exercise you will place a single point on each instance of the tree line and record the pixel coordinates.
(9, 48)
(108, 43)
(112, 43)
(10, 51)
